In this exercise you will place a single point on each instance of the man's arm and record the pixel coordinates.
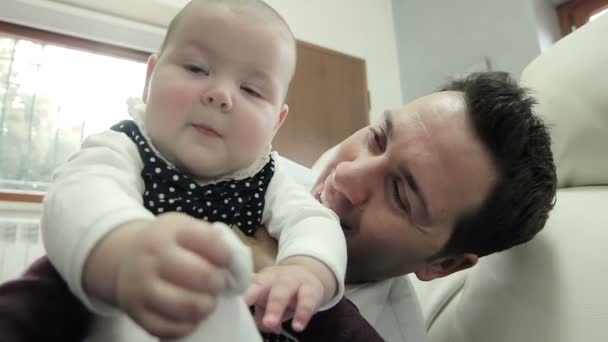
(38, 306)
(343, 322)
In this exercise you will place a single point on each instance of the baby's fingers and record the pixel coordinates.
(279, 298)
(308, 302)
(258, 290)
(258, 317)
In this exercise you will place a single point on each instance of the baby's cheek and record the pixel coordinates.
(175, 101)
(253, 143)
(253, 136)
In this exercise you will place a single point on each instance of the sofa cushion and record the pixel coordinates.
(551, 289)
(571, 82)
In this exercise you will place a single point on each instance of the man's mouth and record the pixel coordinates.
(322, 197)
(325, 200)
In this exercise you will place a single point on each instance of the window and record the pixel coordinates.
(54, 93)
(576, 13)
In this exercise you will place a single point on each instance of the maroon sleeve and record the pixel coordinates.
(343, 322)
(38, 306)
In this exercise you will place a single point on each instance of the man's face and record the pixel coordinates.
(399, 186)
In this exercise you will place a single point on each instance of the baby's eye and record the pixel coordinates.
(251, 91)
(196, 69)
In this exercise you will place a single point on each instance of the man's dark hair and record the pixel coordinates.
(518, 205)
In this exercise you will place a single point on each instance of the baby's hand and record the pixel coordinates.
(298, 286)
(170, 279)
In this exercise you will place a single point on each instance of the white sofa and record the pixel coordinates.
(554, 288)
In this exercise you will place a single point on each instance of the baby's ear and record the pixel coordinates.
(282, 117)
(149, 69)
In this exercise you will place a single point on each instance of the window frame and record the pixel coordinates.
(575, 13)
(48, 37)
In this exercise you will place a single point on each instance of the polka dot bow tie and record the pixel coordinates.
(234, 202)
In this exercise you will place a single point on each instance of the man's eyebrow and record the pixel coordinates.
(405, 172)
(388, 123)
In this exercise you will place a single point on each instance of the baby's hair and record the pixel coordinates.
(248, 7)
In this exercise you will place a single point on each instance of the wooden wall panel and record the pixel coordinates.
(328, 101)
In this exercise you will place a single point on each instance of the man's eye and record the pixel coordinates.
(251, 92)
(377, 139)
(196, 69)
(403, 204)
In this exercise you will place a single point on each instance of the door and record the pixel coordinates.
(328, 101)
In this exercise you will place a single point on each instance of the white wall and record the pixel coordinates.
(362, 28)
(547, 22)
(437, 38)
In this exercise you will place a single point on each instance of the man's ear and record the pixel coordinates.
(446, 266)
(282, 117)
(149, 69)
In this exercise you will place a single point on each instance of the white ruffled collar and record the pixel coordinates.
(137, 110)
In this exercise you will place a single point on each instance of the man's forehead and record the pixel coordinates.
(437, 109)
(441, 103)
(434, 135)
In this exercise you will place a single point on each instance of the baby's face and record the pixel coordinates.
(214, 96)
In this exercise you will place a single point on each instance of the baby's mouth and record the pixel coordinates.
(207, 130)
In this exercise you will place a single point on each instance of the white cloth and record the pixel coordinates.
(101, 187)
(231, 309)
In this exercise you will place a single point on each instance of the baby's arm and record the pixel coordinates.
(111, 250)
(98, 189)
(311, 260)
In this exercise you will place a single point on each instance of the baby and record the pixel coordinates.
(127, 221)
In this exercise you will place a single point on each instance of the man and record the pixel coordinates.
(435, 185)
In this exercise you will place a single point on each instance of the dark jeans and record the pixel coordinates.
(38, 306)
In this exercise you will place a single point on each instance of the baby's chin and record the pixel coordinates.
(204, 163)
(202, 171)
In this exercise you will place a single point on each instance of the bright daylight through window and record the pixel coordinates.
(51, 98)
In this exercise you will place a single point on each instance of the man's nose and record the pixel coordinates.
(355, 180)
(217, 95)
